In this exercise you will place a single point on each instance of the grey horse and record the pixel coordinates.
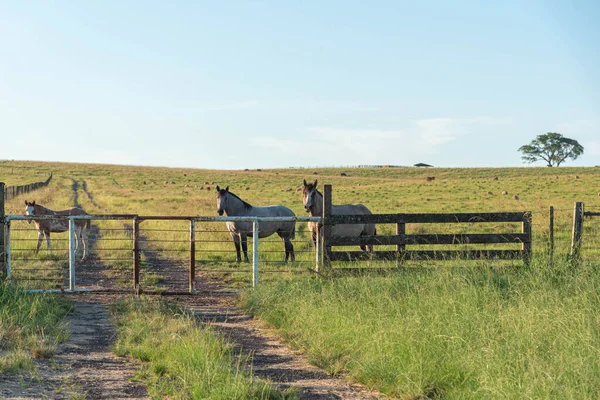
(232, 205)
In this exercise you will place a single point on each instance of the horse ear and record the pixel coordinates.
(33, 203)
(218, 188)
(305, 184)
(26, 203)
(315, 184)
(227, 189)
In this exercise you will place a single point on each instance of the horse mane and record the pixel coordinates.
(246, 204)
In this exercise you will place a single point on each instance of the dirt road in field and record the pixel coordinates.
(271, 359)
(83, 367)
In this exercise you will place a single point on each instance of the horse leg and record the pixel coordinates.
(39, 242)
(48, 241)
(84, 242)
(289, 249)
(245, 246)
(77, 240)
(236, 241)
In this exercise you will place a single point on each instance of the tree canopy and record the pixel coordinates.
(551, 147)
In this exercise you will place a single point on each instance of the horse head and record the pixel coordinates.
(309, 193)
(29, 208)
(222, 196)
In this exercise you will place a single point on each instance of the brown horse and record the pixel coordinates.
(45, 226)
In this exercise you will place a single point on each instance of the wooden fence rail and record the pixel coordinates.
(401, 239)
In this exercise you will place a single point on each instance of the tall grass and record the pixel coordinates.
(181, 359)
(31, 325)
(450, 332)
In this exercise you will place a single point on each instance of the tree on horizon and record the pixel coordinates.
(551, 147)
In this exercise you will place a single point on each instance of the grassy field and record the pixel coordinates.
(464, 330)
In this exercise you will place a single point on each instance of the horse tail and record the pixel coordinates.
(88, 223)
(293, 234)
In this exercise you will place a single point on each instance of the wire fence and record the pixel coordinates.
(590, 243)
(165, 255)
(14, 191)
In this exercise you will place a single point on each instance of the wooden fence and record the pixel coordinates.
(13, 191)
(401, 239)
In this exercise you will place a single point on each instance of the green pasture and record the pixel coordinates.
(457, 329)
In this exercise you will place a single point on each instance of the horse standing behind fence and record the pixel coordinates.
(313, 203)
(232, 205)
(45, 226)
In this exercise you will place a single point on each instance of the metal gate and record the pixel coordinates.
(143, 253)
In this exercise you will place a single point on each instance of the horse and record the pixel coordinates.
(232, 205)
(313, 204)
(45, 226)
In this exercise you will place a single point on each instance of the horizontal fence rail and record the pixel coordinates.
(401, 239)
(425, 218)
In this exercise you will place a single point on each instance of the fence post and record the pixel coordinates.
(401, 248)
(192, 254)
(551, 238)
(71, 254)
(526, 246)
(255, 228)
(327, 207)
(136, 254)
(3, 265)
(577, 231)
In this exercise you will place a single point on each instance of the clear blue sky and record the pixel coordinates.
(250, 84)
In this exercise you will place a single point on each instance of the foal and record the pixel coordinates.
(45, 226)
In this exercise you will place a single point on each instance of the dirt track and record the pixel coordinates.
(85, 368)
